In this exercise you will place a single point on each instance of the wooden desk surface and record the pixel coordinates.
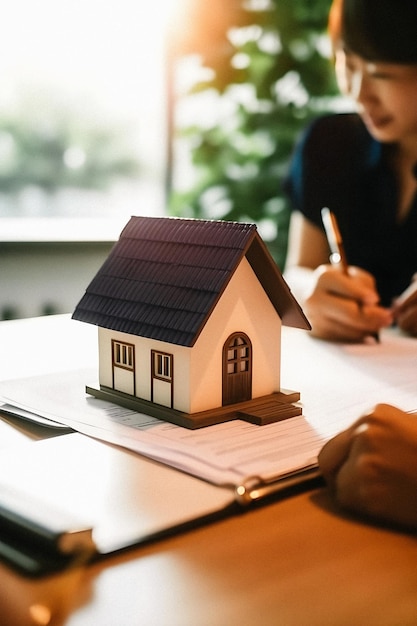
(296, 562)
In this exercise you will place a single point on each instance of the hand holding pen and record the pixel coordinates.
(344, 305)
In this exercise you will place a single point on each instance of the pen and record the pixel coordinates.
(334, 238)
(338, 256)
(406, 294)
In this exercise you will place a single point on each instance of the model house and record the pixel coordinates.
(189, 315)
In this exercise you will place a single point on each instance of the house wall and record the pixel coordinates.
(143, 348)
(243, 307)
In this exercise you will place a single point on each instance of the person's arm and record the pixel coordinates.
(307, 249)
(307, 244)
(371, 468)
(339, 307)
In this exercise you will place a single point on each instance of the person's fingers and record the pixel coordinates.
(334, 454)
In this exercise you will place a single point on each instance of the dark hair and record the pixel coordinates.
(377, 30)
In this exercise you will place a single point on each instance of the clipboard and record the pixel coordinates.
(72, 499)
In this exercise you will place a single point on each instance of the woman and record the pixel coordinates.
(362, 166)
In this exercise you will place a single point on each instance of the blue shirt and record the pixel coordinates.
(338, 164)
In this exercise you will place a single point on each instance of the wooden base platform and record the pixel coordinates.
(265, 410)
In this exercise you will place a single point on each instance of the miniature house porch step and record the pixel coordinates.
(268, 410)
(260, 411)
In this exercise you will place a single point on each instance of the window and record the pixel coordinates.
(162, 365)
(82, 107)
(123, 355)
(238, 355)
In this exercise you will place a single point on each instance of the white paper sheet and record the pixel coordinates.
(340, 382)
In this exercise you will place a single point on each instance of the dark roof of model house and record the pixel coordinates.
(164, 276)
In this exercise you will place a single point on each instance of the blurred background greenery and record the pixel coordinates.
(246, 78)
(217, 115)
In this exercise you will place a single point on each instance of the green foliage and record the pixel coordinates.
(53, 147)
(270, 73)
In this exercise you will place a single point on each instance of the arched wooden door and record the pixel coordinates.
(237, 369)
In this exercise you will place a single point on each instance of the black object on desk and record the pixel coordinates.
(36, 546)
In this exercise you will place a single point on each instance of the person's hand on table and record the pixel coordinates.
(371, 467)
(344, 307)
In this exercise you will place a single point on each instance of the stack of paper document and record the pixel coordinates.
(232, 453)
